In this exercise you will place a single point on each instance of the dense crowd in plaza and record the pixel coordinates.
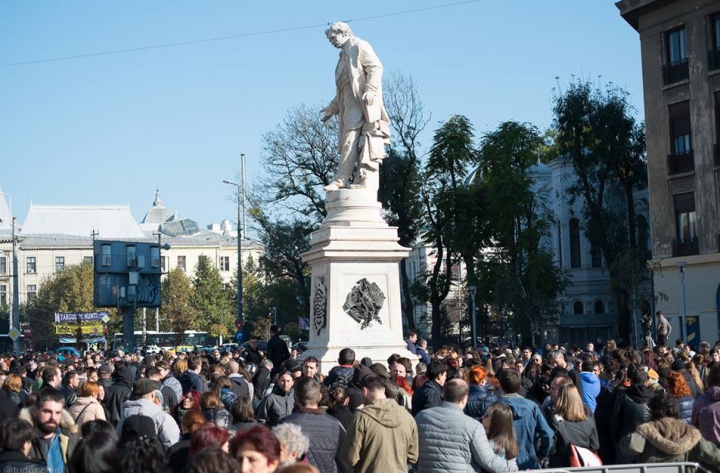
(493, 409)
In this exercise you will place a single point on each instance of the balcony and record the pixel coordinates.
(680, 163)
(675, 72)
(714, 59)
(686, 247)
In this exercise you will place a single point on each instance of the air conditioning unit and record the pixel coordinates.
(140, 261)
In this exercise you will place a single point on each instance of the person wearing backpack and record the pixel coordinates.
(343, 373)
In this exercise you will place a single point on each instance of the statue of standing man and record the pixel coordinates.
(364, 126)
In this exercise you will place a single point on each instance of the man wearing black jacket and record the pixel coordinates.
(430, 394)
(277, 349)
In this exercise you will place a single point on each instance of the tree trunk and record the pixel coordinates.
(408, 307)
(436, 323)
(631, 223)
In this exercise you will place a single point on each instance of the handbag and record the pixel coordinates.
(579, 456)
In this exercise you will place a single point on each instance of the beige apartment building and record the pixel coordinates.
(680, 46)
(55, 236)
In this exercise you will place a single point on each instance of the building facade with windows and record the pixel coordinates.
(587, 307)
(680, 46)
(54, 237)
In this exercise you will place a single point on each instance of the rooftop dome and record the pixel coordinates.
(158, 213)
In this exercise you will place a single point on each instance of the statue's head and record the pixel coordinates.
(338, 33)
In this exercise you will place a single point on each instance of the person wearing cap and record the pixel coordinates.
(115, 393)
(145, 401)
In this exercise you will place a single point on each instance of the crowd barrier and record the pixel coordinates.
(636, 468)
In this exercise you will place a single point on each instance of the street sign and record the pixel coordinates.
(106, 319)
(14, 334)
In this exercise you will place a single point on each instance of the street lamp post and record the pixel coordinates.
(473, 292)
(681, 266)
(15, 318)
(239, 257)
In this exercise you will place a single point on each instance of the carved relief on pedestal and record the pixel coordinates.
(320, 305)
(364, 302)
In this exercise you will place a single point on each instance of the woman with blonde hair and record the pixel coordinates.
(12, 386)
(87, 407)
(573, 425)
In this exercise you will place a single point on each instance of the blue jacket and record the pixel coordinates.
(426, 396)
(590, 389)
(479, 399)
(685, 406)
(528, 422)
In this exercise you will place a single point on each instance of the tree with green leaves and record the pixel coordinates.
(519, 278)
(451, 154)
(177, 312)
(211, 299)
(401, 174)
(70, 290)
(597, 133)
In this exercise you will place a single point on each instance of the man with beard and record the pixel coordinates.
(57, 433)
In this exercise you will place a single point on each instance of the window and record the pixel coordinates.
(106, 255)
(599, 307)
(163, 264)
(596, 256)
(686, 219)
(717, 127)
(3, 295)
(676, 68)
(677, 46)
(155, 256)
(686, 222)
(455, 272)
(643, 235)
(131, 254)
(88, 260)
(680, 127)
(31, 292)
(31, 265)
(578, 308)
(681, 157)
(224, 263)
(575, 260)
(714, 51)
(59, 264)
(3, 265)
(181, 263)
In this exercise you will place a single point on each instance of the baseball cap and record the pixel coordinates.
(143, 387)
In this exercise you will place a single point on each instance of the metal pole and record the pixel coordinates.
(681, 266)
(16, 290)
(473, 291)
(157, 319)
(239, 252)
(144, 327)
(244, 203)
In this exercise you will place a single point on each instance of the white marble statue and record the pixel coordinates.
(364, 127)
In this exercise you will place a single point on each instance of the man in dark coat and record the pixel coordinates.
(325, 432)
(630, 410)
(190, 380)
(8, 408)
(118, 392)
(16, 436)
(430, 394)
(277, 349)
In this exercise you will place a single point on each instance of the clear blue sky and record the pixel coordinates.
(109, 129)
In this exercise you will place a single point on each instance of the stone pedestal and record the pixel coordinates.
(355, 289)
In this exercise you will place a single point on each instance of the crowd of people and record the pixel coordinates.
(494, 409)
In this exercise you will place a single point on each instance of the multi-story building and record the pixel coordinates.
(680, 46)
(53, 237)
(587, 307)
